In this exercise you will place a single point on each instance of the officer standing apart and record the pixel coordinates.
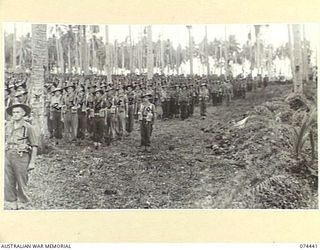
(146, 116)
(20, 154)
(203, 98)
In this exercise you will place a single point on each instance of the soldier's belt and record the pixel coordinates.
(98, 115)
(19, 148)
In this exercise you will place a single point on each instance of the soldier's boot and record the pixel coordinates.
(10, 205)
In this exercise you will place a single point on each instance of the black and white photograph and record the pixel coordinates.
(172, 116)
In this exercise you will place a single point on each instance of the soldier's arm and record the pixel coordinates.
(33, 140)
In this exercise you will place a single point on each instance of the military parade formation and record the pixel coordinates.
(102, 110)
(80, 107)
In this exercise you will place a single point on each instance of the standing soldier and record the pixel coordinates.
(70, 113)
(110, 116)
(90, 111)
(220, 93)
(138, 93)
(193, 97)
(55, 112)
(203, 98)
(164, 102)
(172, 109)
(99, 118)
(243, 88)
(20, 154)
(228, 92)
(121, 112)
(183, 103)
(131, 105)
(146, 117)
(82, 113)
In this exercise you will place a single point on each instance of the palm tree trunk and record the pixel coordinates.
(14, 53)
(297, 57)
(149, 53)
(206, 51)
(291, 53)
(116, 62)
(190, 49)
(85, 56)
(69, 58)
(61, 57)
(39, 52)
(76, 53)
(108, 61)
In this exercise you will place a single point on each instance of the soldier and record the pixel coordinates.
(131, 106)
(146, 117)
(138, 94)
(70, 113)
(22, 97)
(20, 151)
(121, 112)
(203, 98)
(82, 114)
(228, 92)
(165, 102)
(110, 116)
(99, 118)
(243, 88)
(220, 93)
(193, 97)
(90, 97)
(183, 103)
(55, 112)
(265, 81)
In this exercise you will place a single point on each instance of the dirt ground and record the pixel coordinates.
(195, 163)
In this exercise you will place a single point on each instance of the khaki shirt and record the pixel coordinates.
(22, 137)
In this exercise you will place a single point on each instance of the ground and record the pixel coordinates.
(211, 163)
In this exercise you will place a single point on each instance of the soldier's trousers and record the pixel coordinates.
(110, 127)
(16, 176)
(145, 130)
(71, 124)
(203, 108)
(98, 129)
(82, 119)
(130, 120)
(121, 123)
(57, 124)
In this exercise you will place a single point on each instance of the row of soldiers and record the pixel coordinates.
(77, 106)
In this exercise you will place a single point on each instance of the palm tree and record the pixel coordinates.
(39, 54)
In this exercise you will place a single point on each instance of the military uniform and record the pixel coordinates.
(99, 119)
(146, 117)
(110, 118)
(70, 115)
(131, 109)
(55, 113)
(121, 114)
(228, 92)
(203, 97)
(82, 115)
(183, 103)
(20, 141)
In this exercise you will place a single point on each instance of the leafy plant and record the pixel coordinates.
(304, 132)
